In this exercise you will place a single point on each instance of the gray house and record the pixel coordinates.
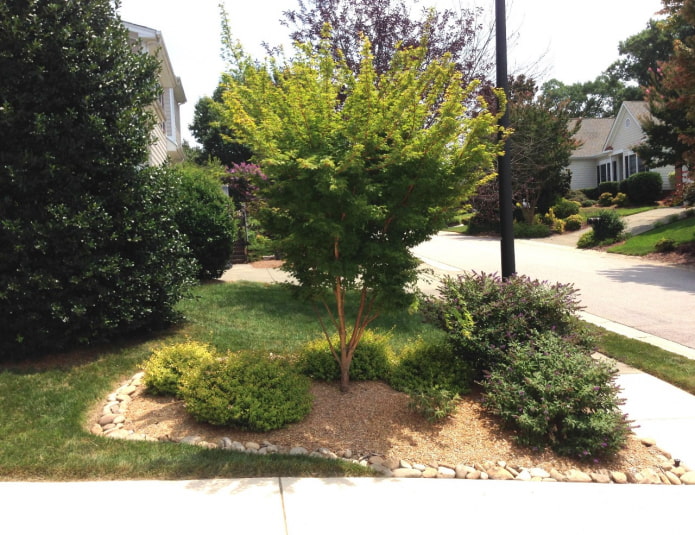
(606, 153)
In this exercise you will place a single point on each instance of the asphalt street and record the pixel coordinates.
(655, 298)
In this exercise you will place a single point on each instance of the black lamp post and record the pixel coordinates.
(503, 162)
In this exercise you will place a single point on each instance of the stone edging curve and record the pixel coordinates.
(110, 423)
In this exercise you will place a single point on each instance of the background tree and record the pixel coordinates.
(671, 130)
(361, 167)
(388, 23)
(215, 138)
(540, 147)
(85, 229)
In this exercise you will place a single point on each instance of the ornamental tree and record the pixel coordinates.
(360, 168)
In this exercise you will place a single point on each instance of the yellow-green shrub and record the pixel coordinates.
(370, 361)
(166, 366)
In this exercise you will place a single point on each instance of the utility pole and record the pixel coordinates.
(503, 162)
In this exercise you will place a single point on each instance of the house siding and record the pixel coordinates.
(583, 174)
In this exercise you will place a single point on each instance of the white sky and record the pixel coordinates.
(576, 40)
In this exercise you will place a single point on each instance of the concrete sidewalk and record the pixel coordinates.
(342, 506)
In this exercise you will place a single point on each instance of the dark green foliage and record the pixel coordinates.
(607, 225)
(665, 245)
(565, 208)
(573, 222)
(253, 392)
(88, 244)
(556, 395)
(608, 187)
(526, 231)
(644, 188)
(591, 193)
(369, 363)
(484, 314)
(167, 365)
(206, 218)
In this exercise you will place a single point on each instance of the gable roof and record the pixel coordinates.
(592, 134)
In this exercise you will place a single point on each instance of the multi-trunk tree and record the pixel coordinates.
(360, 167)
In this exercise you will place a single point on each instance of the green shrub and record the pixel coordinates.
(370, 362)
(252, 392)
(166, 366)
(206, 218)
(605, 199)
(434, 403)
(484, 314)
(607, 225)
(644, 187)
(665, 245)
(620, 199)
(608, 187)
(564, 208)
(587, 204)
(689, 193)
(425, 365)
(586, 240)
(80, 267)
(591, 193)
(573, 222)
(554, 394)
(525, 231)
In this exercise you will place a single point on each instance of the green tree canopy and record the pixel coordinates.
(360, 167)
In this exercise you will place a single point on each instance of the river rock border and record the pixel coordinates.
(111, 421)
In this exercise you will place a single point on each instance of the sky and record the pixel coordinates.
(571, 41)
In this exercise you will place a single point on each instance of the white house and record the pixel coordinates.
(607, 146)
(167, 143)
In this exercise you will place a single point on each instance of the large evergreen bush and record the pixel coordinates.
(206, 218)
(644, 187)
(88, 243)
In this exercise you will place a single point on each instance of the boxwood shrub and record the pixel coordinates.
(167, 365)
(250, 391)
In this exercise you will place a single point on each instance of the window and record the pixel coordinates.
(633, 165)
(603, 172)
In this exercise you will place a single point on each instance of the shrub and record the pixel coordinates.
(206, 218)
(573, 222)
(605, 199)
(370, 362)
(253, 392)
(689, 194)
(586, 240)
(434, 403)
(607, 225)
(620, 199)
(525, 231)
(167, 365)
(426, 365)
(608, 187)
(591, 193)
(644, 187)
(564, 208)
(555, 224)
(587, 204)
(665, 245)
(554, 394)
(484, 314)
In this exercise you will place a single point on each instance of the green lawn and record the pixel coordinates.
(681, 231)
(45, 405)
(622, 212)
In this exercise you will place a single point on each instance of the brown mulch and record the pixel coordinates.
(372, 418)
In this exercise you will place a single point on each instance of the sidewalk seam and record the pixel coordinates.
(282, 504)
